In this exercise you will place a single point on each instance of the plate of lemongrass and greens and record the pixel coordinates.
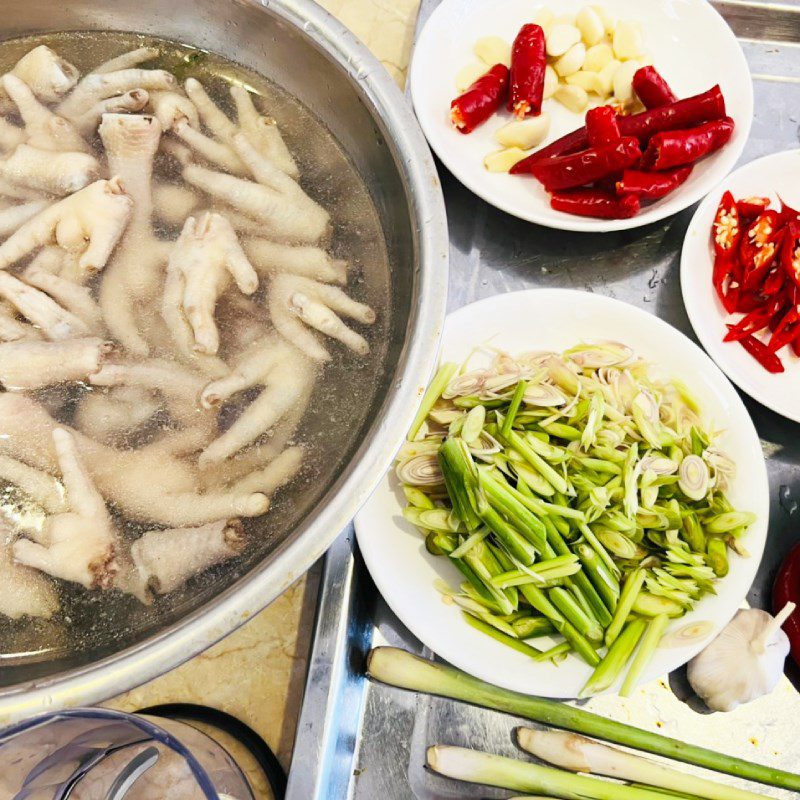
(581, 504)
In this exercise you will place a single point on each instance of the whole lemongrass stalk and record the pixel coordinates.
(522, 776)
(579, 754)
(404, 670)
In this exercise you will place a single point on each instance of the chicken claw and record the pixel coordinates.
(296, 302)
(60, 173)
(96, 215)
(286, 376)
(205, 257)
(78, 545)
(48, 75)
(34, 365)
(23, 591)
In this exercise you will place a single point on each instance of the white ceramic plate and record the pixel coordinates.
(556, 319)
(691, 46)
(774, 175)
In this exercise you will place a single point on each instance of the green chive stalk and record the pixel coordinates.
(516, 402)
(630, 591)
(522, 446)
(503, 500)
(460, 480)
(533, 627)
(522, 776)
(432, 394)
(717, 556)
(508, 641)
(406, 671)
(652, 636)
(618, 655)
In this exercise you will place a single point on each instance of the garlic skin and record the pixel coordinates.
(744, 662)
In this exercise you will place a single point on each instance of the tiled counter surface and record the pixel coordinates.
(258, 672)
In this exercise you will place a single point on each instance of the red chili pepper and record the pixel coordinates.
(788, 214)
(753, 322)
(481, 100)
(758, 247)
(652, 89)
(787, 590)
(786, 330)
(684, 113)
(751, 207)
(790, 252)
(602, 126)
(595, 203)
(762, 354)
(670, 149)
(726, 231)
(774, 283)
(652, 185)
(796, 345)
(528, 62)
(588, 166)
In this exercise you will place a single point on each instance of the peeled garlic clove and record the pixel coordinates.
(525, 133)
(693, 477)
(560, 38)
(598, 56)
(590, 25)
(623, 82)
(572, 97)
(550, 82)
(466, 76)
(588, 81)
(503, 160)
(571, 61)
(627, 40)
(607, 74)
(564, 19)
(544, 19)
(493, 50)
(607, 18)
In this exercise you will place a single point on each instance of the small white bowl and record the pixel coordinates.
(691, 45)
(555, 319)
(771, 176)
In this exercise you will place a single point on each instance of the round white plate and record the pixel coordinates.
(556, 319)
(691, 46)
(774, 175)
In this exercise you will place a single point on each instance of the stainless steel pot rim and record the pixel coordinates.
(208, 624)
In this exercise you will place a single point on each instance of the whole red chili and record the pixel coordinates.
(787, 590)
(481, 100)
(669, 149)
(790, 252)
(595, 203)
(588, 166)
(602, 126)
(652, 89)
(652, 185)
(684, 113)
(528, 62)
(762, 354)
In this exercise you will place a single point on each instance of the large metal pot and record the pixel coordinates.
(316, 59)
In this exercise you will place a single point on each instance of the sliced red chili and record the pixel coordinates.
(726, 230)
(751, 207)
(788, 214)
(652, 185)
(758, 247)
(528, 62)
(588, 166)
(752, 322)
(670, 149)
(790, 252)
(602, 126)
(786, 330)
(652, 89)
(774, 283)
(595, 203)
(481, 100)
(762, 354)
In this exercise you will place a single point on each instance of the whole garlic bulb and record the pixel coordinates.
(744, 662)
